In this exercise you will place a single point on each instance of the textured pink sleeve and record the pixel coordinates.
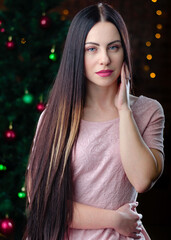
(153, 134)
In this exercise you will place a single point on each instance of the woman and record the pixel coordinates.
(96, 145)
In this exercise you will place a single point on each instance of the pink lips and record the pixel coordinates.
(104, 73)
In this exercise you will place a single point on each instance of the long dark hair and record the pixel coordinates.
(49, 176)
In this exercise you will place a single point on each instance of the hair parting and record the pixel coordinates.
(100, 7)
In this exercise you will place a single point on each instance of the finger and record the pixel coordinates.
(138, 230)
(139, 223)
(140, 216)
(133, 205)
(135, 236)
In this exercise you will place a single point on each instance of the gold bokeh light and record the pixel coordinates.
(157, 35)
(152, 75)
(148, 43)
(149, 56)
(159, 26)
(159, 12)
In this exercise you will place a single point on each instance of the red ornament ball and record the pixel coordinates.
(45, 22)
(2, 30)
(10, 45)
(6, 226)
(40, 107)
(10, 135)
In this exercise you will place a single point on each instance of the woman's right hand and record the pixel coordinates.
(128, 221)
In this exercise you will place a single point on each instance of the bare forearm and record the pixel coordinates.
(125, 220)
(138, 161)
(87, 217)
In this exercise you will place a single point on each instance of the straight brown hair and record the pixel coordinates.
(49, 183)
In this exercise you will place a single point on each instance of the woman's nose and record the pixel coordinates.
(104, 58)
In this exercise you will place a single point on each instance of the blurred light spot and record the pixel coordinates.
(23, 41)
(146, 68)
(148, 43)
(63, 18)
(159, 26)
(65, 12)
(158, 35)
(152, 75)
(159, 12)
(149, 56)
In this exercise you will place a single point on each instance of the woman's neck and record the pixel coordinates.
(100, 97)
(99, 104)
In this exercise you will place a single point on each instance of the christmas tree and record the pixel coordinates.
(31, 40)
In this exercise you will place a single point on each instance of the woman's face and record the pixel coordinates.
(103, 54)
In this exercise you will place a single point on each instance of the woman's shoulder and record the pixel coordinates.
(144, 102)
(141, 100)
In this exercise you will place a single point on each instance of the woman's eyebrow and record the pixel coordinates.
(97, 44)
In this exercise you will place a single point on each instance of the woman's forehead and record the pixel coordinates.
(103, 32)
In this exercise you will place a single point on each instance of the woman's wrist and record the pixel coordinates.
(125, 112)
(111, 218)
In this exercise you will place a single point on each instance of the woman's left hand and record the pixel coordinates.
(122, 97)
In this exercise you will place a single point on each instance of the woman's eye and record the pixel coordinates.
(114, 47)
(92, 49)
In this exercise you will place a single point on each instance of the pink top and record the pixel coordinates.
(99, 177)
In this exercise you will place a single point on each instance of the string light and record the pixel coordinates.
(159, 26)
(159, 12)
(152, 75)
(65, 12)
(10, 126)
(157, 35)
(10, 38)
(23, 41)
(149, 57)
(146, 68)
(148, 44)
(52, 49)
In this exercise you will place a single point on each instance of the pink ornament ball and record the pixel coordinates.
(10, 45)
(6, 226)
(45, 22)
(40, 107)
(10, 135)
